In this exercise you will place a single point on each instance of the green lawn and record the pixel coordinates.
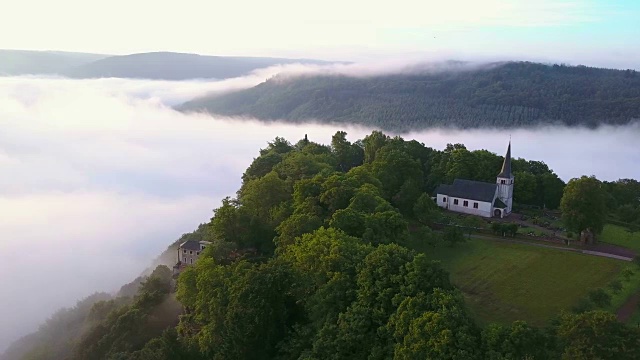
(617, 235)
(504, 282)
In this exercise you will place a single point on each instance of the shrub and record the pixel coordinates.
(600, 298)
(615, 286)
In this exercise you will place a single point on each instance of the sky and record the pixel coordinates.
(594, 32)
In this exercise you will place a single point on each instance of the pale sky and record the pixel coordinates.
(595, 31)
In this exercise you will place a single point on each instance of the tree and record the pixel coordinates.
(524, 191)
(425, 210)
(434, 327)
(516, 342)
(348, 155)
(453, 235)
(583, 205)
(596, 335)
(472, 223)
(372, 143)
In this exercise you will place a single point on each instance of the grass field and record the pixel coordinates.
(617, 235)
(503, 282)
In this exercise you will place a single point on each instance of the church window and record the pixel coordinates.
(197, 252)
(503, 182)
(465, 203)
(475, 205)
(190, 252)
(444, 199)
(455, 201)
(184, 251)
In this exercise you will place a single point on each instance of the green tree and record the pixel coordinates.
(583, 205)
(425, 210)
(524, 191)
(372, 143)
(596, 335)
(452, 235)
(516, 342)
(348, 155)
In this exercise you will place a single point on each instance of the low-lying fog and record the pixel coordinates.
(97, 177)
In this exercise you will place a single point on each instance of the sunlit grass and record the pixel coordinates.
(503, 282)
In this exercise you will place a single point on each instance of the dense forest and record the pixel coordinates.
(312, 260)
(514, 94)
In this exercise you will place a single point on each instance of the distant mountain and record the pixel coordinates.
(23, 62)
(177, 66)
(512, 94)
(155, 65)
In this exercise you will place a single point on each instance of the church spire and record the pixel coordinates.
(506, 165)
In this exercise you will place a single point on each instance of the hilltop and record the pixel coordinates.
(512, 94)
(176, 66)
(152, 65)
(24, 62)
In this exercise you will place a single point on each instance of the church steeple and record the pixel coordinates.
(506, 165)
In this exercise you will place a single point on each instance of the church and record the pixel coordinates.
(480, 198)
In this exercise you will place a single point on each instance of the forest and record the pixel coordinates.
(314, 259)
(503, 95)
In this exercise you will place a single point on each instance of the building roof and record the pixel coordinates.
(499, 204)
(506, 165)
(469, 189)
(193, 245)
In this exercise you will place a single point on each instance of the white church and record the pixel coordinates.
(480, 198)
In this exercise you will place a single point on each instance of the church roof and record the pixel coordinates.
(190, 245)
(469, 189)
(193, 245)
(499, 204)
(506, 165)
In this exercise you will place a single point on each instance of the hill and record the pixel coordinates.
(23, 62)
(153, 65)
(513, 94)
(176, 66)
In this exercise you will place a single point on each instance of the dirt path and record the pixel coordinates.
(628, 308)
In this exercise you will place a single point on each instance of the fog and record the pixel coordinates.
(98, 177)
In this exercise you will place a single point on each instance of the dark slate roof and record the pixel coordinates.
(506, 165)
(190, 245)
(468, 189)
(499, 204)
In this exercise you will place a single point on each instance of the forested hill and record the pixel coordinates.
(514, 94)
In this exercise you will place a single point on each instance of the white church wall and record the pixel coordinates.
(484, 208)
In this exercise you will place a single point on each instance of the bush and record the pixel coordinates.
(600, 298)
(584, 305)
(570, 235)
(615, 286)
(627, 273)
